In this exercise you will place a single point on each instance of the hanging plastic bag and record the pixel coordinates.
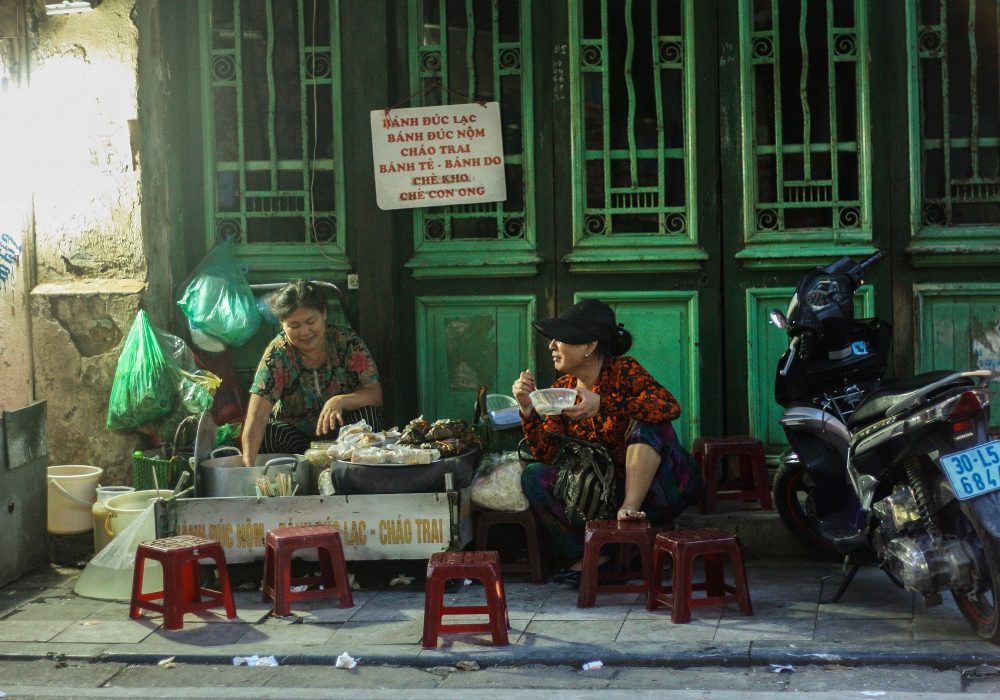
(219, 301)
(145, 379)
(108, 576)
(197, 390)
(497, 483)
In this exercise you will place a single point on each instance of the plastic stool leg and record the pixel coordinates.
(339, 568)
(710, 479)
(499, 622)
(227, 594)
(589, 572)
(137, 572)
(740, 578)
(656, 580)
(681, 612)
(282, 581)
(433, 596)
(173, 594)
(267, 583)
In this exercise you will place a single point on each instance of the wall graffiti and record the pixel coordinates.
(10, 253)
(987, 349)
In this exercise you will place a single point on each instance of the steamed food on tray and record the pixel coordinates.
(420, 442)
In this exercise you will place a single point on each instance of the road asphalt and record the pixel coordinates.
(875, 623)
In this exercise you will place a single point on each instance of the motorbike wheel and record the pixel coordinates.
(979, 606)
(792, 493)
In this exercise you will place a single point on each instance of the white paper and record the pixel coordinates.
(345, 660)
(593, 665)
(255, 660)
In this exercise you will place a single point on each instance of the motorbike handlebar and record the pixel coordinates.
(860, 268)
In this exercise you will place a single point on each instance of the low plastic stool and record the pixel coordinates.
(481, 566)
(281, 543)
(622, 532)
(182, 590)
(752, 484)
(525, 519)
(684, 546)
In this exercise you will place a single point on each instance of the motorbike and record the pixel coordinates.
(902, 474)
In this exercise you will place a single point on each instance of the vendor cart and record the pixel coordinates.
(372, 525)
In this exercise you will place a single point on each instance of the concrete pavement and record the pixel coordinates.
(875, 623)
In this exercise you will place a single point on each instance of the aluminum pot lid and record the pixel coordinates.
(204, 439)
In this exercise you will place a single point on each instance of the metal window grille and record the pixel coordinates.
(958, 76)
(806, 118)
(273, 88)
(630, 111)
(472, 50)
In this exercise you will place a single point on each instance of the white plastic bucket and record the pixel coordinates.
(125, 508)
(72, 492)
(99, 513)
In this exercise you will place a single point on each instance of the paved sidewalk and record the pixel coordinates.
(875, 623)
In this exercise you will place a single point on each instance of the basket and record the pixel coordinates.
(168, 470)
(499, 440)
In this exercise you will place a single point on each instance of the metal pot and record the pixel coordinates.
(220, 476)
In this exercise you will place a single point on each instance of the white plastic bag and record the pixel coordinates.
(497, 483)
(108, 576)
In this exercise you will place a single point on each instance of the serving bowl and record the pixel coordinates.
(551, 402)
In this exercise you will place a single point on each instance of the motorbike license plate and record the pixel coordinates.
(974, 471)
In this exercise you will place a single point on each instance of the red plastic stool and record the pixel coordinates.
(683, 546)
(279, 546)
(182, 590)
(482, 566)
(752, 483)
(624, 532)
(525, 519)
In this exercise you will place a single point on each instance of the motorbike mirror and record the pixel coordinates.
(778, 319)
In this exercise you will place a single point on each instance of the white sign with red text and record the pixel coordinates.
(436, 156)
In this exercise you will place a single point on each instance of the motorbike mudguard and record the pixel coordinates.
(987, 509)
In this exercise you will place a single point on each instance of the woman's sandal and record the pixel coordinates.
(561, 576)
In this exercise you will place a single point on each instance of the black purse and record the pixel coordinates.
(586, 482)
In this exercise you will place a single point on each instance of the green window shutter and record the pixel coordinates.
(462, 51)
(806, 126)
(632, 97)
(273, 132)
(954, 132)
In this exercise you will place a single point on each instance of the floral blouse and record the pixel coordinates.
(299, 392)
(628, 392)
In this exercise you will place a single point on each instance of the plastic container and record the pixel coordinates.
(99, 513)
(72, 492)
(551, 402)
(124, 508)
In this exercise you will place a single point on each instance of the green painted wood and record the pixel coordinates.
(633, 160)
(665, 331)
(958, 327)
(765, 346)
(494, 41)
(954, 137)
(273, 131)
(465, 341)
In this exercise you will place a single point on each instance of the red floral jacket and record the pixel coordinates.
(628, 392)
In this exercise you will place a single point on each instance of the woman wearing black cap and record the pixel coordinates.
(620, 406)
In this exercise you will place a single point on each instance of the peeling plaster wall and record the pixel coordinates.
(82, 325)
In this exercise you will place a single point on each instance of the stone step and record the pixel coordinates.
(761, 532)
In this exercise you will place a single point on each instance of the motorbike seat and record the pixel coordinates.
(874, 406)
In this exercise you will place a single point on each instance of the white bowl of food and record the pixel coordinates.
(551, 402)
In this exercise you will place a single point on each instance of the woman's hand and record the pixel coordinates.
(626, 513)
(523, 386)
(332, 415)
(589, 406)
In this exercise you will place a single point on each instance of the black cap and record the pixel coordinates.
(581, 323)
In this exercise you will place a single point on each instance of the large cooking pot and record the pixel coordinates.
(352, 478)
(220, 476)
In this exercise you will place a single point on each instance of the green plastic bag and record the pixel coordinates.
(145, 379)
(219, 301)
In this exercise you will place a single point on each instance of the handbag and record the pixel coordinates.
(586, 482)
